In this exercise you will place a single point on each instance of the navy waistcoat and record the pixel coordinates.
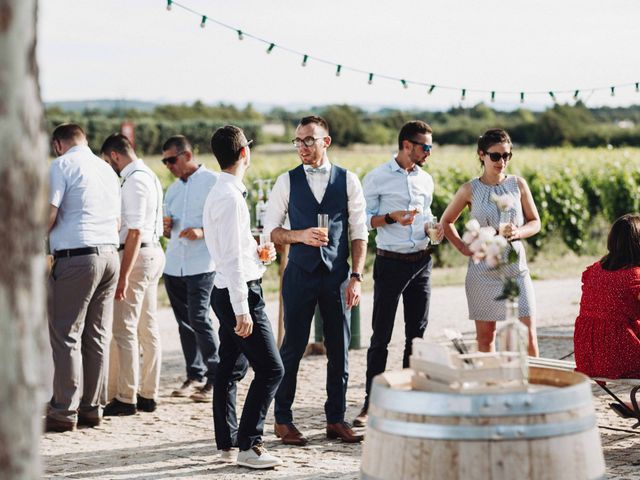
(303, 214)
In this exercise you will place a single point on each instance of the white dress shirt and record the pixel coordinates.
(227, 232)
(141, 202)
(86, 191)
(278, 204)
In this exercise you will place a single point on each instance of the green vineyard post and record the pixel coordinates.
(355, 328)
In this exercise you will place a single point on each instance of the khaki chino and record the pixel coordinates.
(135, 329)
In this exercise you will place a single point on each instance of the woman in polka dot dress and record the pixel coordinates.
(607, 333)
(483, 284)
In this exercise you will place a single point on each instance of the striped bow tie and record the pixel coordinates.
(320, 171)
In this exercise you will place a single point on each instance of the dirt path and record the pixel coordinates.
(176, 441)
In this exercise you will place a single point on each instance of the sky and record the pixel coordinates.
(138, 50)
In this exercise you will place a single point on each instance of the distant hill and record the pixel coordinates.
(103, 104)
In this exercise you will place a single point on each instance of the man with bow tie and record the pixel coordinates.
(318, 270)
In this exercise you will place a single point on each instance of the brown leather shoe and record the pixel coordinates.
(289, 434)
(361, 419)
(343, 431)
(54, 425)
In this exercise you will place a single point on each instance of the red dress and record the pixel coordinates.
(607, 332)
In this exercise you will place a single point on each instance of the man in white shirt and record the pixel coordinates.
(237, 302)
(135, 322)
(318, 271)
(84, 210)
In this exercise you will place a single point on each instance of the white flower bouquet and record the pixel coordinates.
(486, 246)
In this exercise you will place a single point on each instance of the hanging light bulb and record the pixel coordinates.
(370, 79)
(613, 91)
(521, 97)
(493, 97)
(431, 89)
(169, 2)
(575, 94)
(553, 96)
(240, 35)
(271, 47)
(463, 97)
(338, 68)
(404, 83)
(203, 22)
(304, 60)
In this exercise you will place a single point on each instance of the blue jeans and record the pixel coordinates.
(190, 297)
(260, 350)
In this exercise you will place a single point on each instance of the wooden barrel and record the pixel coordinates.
(548, 432)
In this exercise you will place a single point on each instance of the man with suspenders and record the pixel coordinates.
(135, 323)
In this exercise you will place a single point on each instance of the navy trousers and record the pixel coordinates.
(393, 279)
(190, 297)
(301, 291)
(260, 350)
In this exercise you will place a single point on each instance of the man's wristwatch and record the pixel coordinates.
(357, 276)
(388, 220)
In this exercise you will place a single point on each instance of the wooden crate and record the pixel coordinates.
(439, 367)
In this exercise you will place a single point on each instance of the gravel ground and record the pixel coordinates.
(177, 441)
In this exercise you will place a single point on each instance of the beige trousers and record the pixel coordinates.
(135, 331)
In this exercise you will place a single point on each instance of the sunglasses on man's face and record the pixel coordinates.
(426, 147)
(171, 160)
(496, 157)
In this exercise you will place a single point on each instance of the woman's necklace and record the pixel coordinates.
(493, 181)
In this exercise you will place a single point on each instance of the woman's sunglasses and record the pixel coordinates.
(496, 157)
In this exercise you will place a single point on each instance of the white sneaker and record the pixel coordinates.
(257, 457)
(229, 456)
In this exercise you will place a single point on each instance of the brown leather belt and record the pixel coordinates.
(405, 257)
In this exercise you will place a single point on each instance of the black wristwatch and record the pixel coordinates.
(388, 220)
(357, 276)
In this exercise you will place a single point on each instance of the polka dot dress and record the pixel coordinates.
(483, 284)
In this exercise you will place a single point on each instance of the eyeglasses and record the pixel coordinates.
(496, 157)
(172, 160)
(306, 141)
(426, 147)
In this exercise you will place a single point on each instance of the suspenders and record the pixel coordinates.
(155, 180)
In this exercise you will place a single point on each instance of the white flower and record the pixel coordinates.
(472, 225)
(487, 233)
(469, 237)
(477, 245)
(492, 261)
(504, 202)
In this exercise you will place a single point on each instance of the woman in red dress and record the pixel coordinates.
(607, 331)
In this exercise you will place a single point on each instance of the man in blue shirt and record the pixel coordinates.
(189, 269)
(399, 195)
(84, 197)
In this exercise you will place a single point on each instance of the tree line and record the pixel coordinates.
(560, 125)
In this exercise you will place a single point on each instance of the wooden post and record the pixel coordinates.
(283, 251)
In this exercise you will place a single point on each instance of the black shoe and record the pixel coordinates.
(146, 404)
(116, 407)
